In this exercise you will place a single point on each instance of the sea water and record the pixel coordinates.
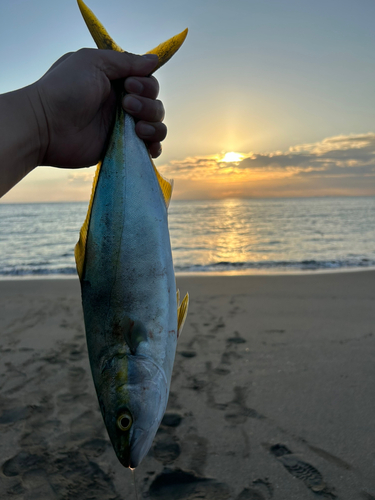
(231, 235)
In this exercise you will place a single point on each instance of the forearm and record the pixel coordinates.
(21, 137)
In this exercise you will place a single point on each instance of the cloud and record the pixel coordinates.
(307, 168)
(340, 155)
(82, 176)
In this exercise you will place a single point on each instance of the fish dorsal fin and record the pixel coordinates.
(182, 310)
(103, 40)
(165, 185)
(80, 248)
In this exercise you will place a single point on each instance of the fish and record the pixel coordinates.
(132, 310)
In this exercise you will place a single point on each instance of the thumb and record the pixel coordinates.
(118, 65)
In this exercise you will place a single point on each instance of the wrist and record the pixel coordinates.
(22, 135)
(38, 124)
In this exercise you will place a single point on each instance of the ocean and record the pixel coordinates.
(220, 236)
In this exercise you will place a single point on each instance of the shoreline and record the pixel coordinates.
(252, 272)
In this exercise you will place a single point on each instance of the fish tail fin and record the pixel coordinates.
(97, 30)
(167, 49)
(103, 40)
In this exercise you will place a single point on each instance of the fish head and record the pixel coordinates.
(133, 396)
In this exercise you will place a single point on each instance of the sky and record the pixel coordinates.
(287, 85)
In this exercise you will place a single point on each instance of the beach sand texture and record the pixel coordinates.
(272, 395)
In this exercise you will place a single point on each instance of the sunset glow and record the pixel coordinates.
(232, 157)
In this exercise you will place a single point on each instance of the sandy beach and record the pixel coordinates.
(272, 395)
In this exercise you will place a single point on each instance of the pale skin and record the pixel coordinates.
(64, 119)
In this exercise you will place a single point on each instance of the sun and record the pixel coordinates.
(232, 157)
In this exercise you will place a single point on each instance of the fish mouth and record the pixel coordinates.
(140, 446)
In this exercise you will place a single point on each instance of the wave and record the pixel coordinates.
(304, 265)
(39, 271)
(216, 267)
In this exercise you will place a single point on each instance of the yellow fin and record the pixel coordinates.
(167, 49)
(80, 248)
(165, 185)
(103, 40)
(182, 313)
(97, 30)
(178, 298)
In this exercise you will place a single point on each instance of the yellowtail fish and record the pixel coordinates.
(124, 261)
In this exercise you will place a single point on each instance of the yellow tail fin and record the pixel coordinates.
(164, 51)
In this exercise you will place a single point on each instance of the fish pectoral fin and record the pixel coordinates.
(134, 332)
(164, 51)
(182, 313)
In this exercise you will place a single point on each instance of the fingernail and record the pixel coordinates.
(152, 57)
(146, 129)
(132, 104)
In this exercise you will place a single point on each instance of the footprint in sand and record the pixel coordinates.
(238, 412)
(182, 485)
(45, 477)
(250, 494)
(237, 339)
(187, 354)
(171, 419)
(166, 448)
(176, 483)
(302, 470)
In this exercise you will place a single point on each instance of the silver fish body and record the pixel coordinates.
(129, 294)
(124, 262)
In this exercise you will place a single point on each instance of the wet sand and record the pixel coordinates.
(272, 395)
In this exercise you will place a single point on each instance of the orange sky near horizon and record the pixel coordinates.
(336, 166)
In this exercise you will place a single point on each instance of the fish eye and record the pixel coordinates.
(124, 421)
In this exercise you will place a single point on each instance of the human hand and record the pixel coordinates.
(75, 103)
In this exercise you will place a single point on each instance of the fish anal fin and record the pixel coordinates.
(80, 248)
(182, 313)
(165, 186)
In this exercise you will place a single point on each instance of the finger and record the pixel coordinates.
(143, 108)
(155, 149)
(123, 64)
(151, 132)
(144, 86)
